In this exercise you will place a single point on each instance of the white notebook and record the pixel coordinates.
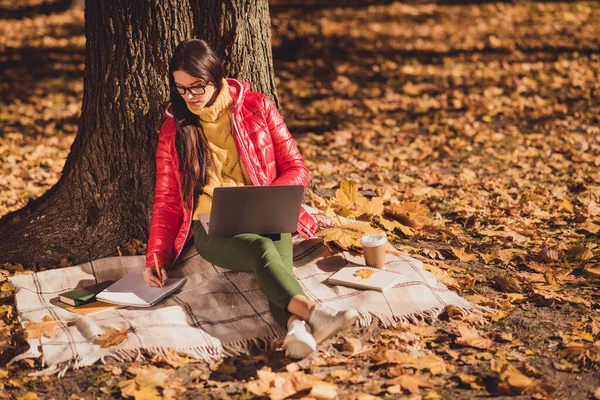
(131, 290)
(372, 278)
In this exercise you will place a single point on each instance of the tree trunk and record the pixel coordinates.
(104, 197)
(241, 31)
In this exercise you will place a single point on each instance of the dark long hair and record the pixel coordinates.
(196, 58)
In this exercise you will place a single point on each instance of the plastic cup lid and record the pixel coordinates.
(373, 240)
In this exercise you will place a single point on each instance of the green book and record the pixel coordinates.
(84, 295)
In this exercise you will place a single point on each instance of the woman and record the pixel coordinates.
(219, 133)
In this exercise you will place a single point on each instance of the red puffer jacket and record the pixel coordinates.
(266, 149)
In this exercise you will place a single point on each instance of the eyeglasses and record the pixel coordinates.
(197, 90)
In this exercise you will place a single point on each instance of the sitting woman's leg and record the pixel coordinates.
(249, 252)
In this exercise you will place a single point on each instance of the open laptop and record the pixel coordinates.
(255, 209)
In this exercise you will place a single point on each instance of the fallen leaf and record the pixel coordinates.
(411, 383)
(341, 375)
(470, 337)
(471, 381)
(28, 396)
(589, 226)
(46, 328)
(507, 284)
(579, 253)
(346, 235)
(390, 225)
(462, 255)
(352, 345)
(513, 381)
(411, 214)
(112, 337)
(364, 273)
(347, 193)
(323, 390)
(147, 393)
(374, 206)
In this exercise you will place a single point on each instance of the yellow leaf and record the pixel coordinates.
(347, 193)
(389, 225)
(3, 373)
(112, 337)
(341, 375)
(28, 396)
(7, 287)
(589, 226)
(147, 393)
(347, 235)
(566, 205)
(127, 388)
(46, 328)
(364, 273)
(323, 390)
(370, 207)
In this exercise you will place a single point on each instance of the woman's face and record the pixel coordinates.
(184, 82)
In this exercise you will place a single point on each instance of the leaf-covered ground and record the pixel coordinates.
(469, 132)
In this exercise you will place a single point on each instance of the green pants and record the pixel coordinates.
(269, 257)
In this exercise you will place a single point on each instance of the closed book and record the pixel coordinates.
(366, 278)
(87, 308)
(84, 295)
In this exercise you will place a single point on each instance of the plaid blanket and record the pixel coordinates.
(216, 313)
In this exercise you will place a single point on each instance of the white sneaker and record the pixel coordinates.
(326, 322)
(299, 342)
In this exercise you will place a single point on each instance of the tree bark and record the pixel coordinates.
(104, 196)
(241, 31)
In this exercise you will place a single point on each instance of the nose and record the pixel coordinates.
(189, 95)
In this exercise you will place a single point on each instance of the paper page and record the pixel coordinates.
(131, 290)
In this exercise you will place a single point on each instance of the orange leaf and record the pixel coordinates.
(411, 214)
(46, 328)
(462, 255)
(112, 337)
(410, 383)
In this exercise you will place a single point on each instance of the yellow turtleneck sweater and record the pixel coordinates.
(228, 169)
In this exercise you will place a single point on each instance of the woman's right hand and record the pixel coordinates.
(152, 279)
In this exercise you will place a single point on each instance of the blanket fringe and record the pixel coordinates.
(386, 320)
(242, 347)
(32, 352)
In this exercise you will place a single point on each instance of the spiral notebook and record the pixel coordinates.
(131, 290)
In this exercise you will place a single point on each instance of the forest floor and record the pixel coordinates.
(477, 126)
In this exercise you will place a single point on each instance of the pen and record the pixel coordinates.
(157, 269)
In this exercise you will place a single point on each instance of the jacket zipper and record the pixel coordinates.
(236, 137)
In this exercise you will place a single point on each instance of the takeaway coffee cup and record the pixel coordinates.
(374, 249)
